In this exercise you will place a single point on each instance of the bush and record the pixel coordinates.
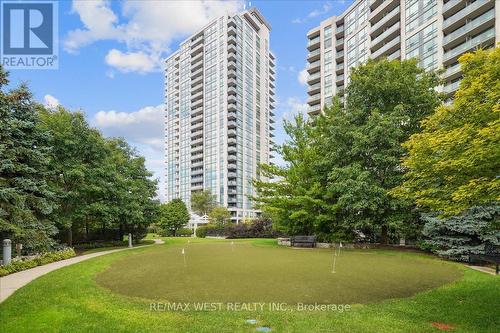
(459, 236)
(261, 228)
(184, 232)
(208, 230)
(43, 259)
(98, 245)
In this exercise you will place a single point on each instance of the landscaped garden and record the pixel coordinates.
(387, 291)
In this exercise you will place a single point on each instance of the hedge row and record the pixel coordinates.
(45, 258)
(257, 229)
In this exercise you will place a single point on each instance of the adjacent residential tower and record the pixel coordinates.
(435, 31)
(219, 90)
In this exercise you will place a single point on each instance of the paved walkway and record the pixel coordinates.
(10, 283)
(483, 269)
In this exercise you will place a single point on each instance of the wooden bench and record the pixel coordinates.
(303, 241)
(491, 254)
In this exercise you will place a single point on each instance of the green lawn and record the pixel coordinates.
(77, 298)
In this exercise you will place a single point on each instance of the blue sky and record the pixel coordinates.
(110, 60)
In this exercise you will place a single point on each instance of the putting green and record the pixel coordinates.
(221, 272)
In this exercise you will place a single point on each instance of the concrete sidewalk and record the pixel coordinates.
(10, 283)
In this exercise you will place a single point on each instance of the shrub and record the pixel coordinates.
(459, 236)
(261, 228)
(207, 230)
(43, 259)
(184, 232)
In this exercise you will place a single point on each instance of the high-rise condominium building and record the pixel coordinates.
(435, 31)
(219, 111)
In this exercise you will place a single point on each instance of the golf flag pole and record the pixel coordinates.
(184, 256)
(340, 246)
(334, 258)
(232, 246)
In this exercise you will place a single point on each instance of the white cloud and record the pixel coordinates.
(294, 107)
(146, 28)
(315, 13)
(144, 126)
(50, 101)
(144, 130)
(132, 61)
(302, 77)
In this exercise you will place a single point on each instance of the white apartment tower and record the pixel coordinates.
(435, 31)
(219, 90)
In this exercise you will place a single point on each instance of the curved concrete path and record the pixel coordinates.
(10, 283)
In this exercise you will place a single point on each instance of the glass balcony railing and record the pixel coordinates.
(386, 47)
(452, 70)
(460, 15)
(382, 36)
(313, 53)
(474, 42)
(451, 87)
(313, 41)
(386, 18)
(470, 26)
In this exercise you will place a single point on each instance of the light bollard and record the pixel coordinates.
(129, 240)
(7, 251)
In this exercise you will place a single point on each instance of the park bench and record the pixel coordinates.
(491, 254)
(303, 241)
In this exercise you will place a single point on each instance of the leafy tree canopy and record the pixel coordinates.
(173, 215)
(202, 202)
(454, 163)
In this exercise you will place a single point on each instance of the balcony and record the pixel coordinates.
(197, 104)
(231, 74)
(231, 65)
(314, 66)
(231, 83)
(339, 56)
(197, 41)
(196, 127)
(479, 23)
(387, 35)
(339, 31)
(451, 88)
(483, 39)
(232, 150)
(197, 80)
(196, 96)
(339, 79)
(231, 124)
(197, 58)
(197, 88)
(314, 99)
(313, 78)
(386, 21)
(314, 88)
(231, 106)
(196, 186)
(231, 40)
(231, 175)
(452, 72)
(452, 6)
(197, 73)
(231, 115)
(313, 43)
(231, 55)
(395, 55)
(197, 164)
(196, 111)
(339, 68)
(196, 49)
(387, 48)
(231, 166)
(382, 9)
(374, 4)
(231, 141)
(339, 44)
(231, 31)
(196, 142)
(312, 110)
(313, 55)
(231, 133)
(461, 17)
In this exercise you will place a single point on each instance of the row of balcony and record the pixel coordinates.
(486, 37)
(388, 34)
(387, 48)
(471, 27)
(476, 7)
(387, 20)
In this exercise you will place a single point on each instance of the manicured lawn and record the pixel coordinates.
(73, 299)
(222, 272)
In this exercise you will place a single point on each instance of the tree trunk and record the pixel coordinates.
(384, 237)
(70, 236)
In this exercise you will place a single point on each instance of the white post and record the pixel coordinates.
(7, 251)
(129, 240)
